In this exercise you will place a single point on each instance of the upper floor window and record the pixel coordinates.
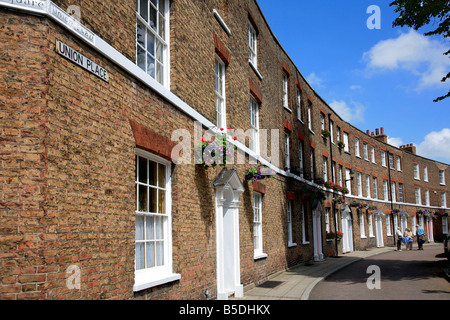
(399, 164)
(152, 38)
(285, 91)
(309, 118)
(372, 154)
(442, 177)
(357, 147)
(252, 45)
(299, 105)
(443, 199)
(383, 158)
(220, 93)
(254, 118)
(287, 162)
(416, 171)
(366, 151)
(346, 148)
(425, 173)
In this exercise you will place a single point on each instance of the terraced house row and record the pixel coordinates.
(156, 149)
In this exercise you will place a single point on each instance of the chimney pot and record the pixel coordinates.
(377, 132)
(382, 130)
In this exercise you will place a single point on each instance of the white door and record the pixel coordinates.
(317, 233)
(430, 229)
(229, 247)
(379, 230)
(347, 237)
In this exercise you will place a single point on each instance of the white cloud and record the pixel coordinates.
(435, 145)
(394, 141)
(352, 114)
(413, 52)
(314, 80)
(355, 87)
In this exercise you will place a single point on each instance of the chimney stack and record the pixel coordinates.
(410, 148)
(380, 135)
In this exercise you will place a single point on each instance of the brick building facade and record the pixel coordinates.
(94, 203)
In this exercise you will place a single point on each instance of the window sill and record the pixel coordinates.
(287, 109)
(260, 256)
(145, 280)
(292, 244)
(255, 70)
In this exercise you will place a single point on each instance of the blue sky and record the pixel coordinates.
(372, 78)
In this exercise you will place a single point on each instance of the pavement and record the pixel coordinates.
(297, 283)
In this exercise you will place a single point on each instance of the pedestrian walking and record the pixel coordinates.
(399, 235)
(420, 233)
(408, 238)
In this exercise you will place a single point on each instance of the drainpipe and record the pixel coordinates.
(390, 193)
(333, 204)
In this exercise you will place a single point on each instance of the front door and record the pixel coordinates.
(317, 233)
(379, 230)
(347, 230)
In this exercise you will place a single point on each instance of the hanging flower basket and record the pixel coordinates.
(358, 205)
(425, 213)
(441, 213)
(259, 172)
(325, 133)
(371, 206)
(308, 192)
(217, 151)
(340, 144)
(344, 190)
(330, 235)
(339, 200)
(395, 211)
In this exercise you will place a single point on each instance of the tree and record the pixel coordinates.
(417, 14)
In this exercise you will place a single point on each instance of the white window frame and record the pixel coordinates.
(427, 197)
(309, 118)
(374, 187)
(291, 242)
(385, 190)
(287, 160)
(399, 164)
(425, 173)
(365, 151)
(332, 131)
(443, 199)
(368, 195)
(301, 158)
(304, 224)
(252, 45)
(393, 192)
(348, 183)
(258, 227)
(362, 224)
(286, 91)
(219, 88)
(357, 148)
(401, 198)
(322, 121)
(325, 168)
(370, 223)
(383, 158)
(388, 225)
(442, 177)
(418, 196)
(359, 184)
(154, 276)
(327, 220)
(161, 44)
(346, 146)
(372, 154)
(299, 106)
(417, 171)
(254, 122)
(312, 164)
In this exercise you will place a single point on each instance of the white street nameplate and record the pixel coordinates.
(81, 60)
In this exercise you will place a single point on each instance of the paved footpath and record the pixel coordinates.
(297, 283)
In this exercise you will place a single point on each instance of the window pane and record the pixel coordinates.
(141, 58)
(161, 176)
(142, 198)
(150, 253)
(140, 256)
(159, 228)
(152, 173)
(153, 204)
(139, 228)
(150, 66)
(153, 15)
(143, 9)
(161, 201)
(150, 43)
(159, 253)
(161, 26)
(149, 228)
(142, 170)
(140, 34)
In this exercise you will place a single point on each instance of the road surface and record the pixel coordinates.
(401, 275)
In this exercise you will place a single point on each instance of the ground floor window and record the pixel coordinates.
(153, 238)
(257, 226)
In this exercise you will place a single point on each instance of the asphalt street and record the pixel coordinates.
(395, 275)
